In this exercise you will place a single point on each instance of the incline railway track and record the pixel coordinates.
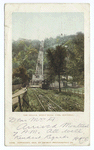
(46, 102)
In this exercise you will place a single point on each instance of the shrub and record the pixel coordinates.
(16, 80)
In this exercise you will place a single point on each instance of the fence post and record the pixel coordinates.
(19, 103)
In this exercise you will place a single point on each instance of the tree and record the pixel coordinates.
(57, 62)
(75, 65)
(21, 73)
(25, 53)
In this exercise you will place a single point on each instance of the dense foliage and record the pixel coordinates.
(25, 54)
(74, 45)
(21, 73)
(75, 63)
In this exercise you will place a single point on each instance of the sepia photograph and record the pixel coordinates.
(47, 61)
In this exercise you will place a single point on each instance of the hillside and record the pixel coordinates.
(25, 53)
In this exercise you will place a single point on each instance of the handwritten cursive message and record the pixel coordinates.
(48, 129)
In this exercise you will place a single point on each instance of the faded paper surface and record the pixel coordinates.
(46, 128)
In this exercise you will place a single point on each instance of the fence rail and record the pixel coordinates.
(16, 99)
(71, 90)
(76, 91)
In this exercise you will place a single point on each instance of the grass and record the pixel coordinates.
(33, 104)
(67, 100)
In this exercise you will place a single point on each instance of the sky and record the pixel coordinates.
(45, 25)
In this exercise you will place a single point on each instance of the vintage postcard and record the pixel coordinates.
(47, 76)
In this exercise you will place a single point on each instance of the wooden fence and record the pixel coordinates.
(18, 99)
(75, 90)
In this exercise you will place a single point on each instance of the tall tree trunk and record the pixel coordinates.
(59, 83)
